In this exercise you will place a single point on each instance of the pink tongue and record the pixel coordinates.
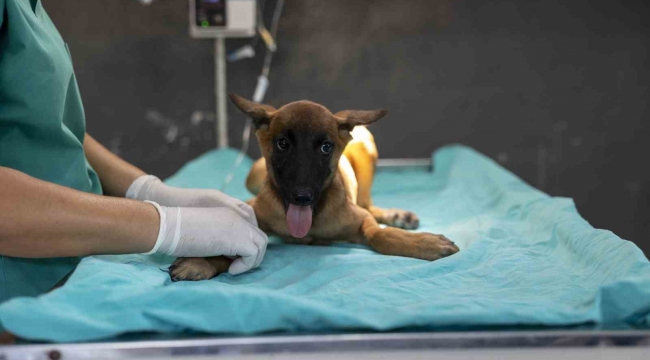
(299, 220)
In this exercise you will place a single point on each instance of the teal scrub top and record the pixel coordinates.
(42, 127)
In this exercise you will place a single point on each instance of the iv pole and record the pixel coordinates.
(221, 124)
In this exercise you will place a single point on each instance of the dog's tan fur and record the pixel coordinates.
(345, 211)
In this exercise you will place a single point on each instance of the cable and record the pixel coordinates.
(258, 95)
(274, 30)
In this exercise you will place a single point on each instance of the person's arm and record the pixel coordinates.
(121, 179)
(43, 220)
(193, 222)
(115, 174)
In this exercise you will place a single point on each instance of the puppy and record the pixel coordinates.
(313, 185)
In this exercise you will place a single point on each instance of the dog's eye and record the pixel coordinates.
(326, 148)
(283, 144)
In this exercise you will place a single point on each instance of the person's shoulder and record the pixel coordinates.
(3, 14)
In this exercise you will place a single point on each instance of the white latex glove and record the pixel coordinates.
(149, 187)
(203, 232)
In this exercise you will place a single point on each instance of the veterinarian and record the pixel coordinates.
(64, 196)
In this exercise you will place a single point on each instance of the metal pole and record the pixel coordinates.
(220, 92)
(401, 163)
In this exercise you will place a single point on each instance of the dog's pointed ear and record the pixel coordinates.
(348, 119)
(260, 113)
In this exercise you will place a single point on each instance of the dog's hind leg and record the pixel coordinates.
(398, 218)
(363, 162)
(362, 154)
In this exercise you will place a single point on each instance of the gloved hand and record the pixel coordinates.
(149, 187)
(202, 232)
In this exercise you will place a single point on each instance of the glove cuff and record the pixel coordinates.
(169, 233)
(135, 190)
(162, 230)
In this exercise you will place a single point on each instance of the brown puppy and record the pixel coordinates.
(313, 186)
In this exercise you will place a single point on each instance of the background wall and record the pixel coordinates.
(556, 91)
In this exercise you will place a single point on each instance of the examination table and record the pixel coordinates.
(531, 274)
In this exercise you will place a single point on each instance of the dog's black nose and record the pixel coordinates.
(302, 196)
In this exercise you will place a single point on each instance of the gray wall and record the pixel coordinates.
(557, 91)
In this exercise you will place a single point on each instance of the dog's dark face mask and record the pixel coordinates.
(301, 165)
(302, 143)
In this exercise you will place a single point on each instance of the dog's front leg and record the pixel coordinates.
(195, 269)
(398, 242)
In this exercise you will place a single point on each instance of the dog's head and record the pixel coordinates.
(302, 143)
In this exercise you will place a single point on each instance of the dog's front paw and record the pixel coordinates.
(433, 247)
(402, 219)
(195, 269)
